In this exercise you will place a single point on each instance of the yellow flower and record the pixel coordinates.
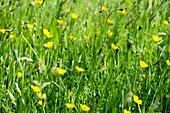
(70, 106)
(47, 33)
(2, 30)
(60, 22)
(48, 45)
(122, 11)
(41, 96)
(110, 33)
(156, 38)
(84, 107)
(165, 22)
(35, 88)
(104, 8)
(168, 62)
(30, 26)
(61, 71)
(74, 16)
(79, 69)
(136, 99)
(143, 64)
(41, 102)
(67, 9)
(72, 38)
(11, 36)
(109, 21)
(38, 1)
(103, 68)
(19, 74)
(115, 47)
(126, 111)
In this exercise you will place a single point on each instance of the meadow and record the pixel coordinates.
(75, 56)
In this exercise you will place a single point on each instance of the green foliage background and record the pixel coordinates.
(108, 91)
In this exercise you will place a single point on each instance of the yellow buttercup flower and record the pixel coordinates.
(84, 107)
(103, 68)
(30, 26)
(35, 88)
(156, 38)
(168, 62)
(104, 8)
(41, 96)
(2, 30)
(70, 106)
(61, 71)
(41, 103)
(60, 22)
(74, 16)
(79, 69)
(126, 111)
(72, 37)
(47, 33)
(165, 22)
(115, 47)
(109, 21)
(67, 9)
(122, 11)
(38, 1)
(11, 36)
(136, 99)
(19, 74)
(110, 33)
(143, 64)
(48, 45)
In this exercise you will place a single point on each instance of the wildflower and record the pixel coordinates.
(48, 45)
(19, 74)
(126, 111)
(30, 26)
(109, 21)
(35, 88)
(79, 69)
(168, 62)
(143, 64)
(110, 33)
(60, 22)
(136, 99)
(70, 106)
(47, 33)
(38, 1)
(122, 11)
(104, 8)
(74, 16)
(41, 102)
(2, 30)
(61, 71)
(104, 68)
(41, 96)
(72, 38)
(115, 47)
(165, 22)
(156, 38)
(11, 36)
(84, 107)
(85, 38)
(67, 9)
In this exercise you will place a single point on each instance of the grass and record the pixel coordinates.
(112, 76)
